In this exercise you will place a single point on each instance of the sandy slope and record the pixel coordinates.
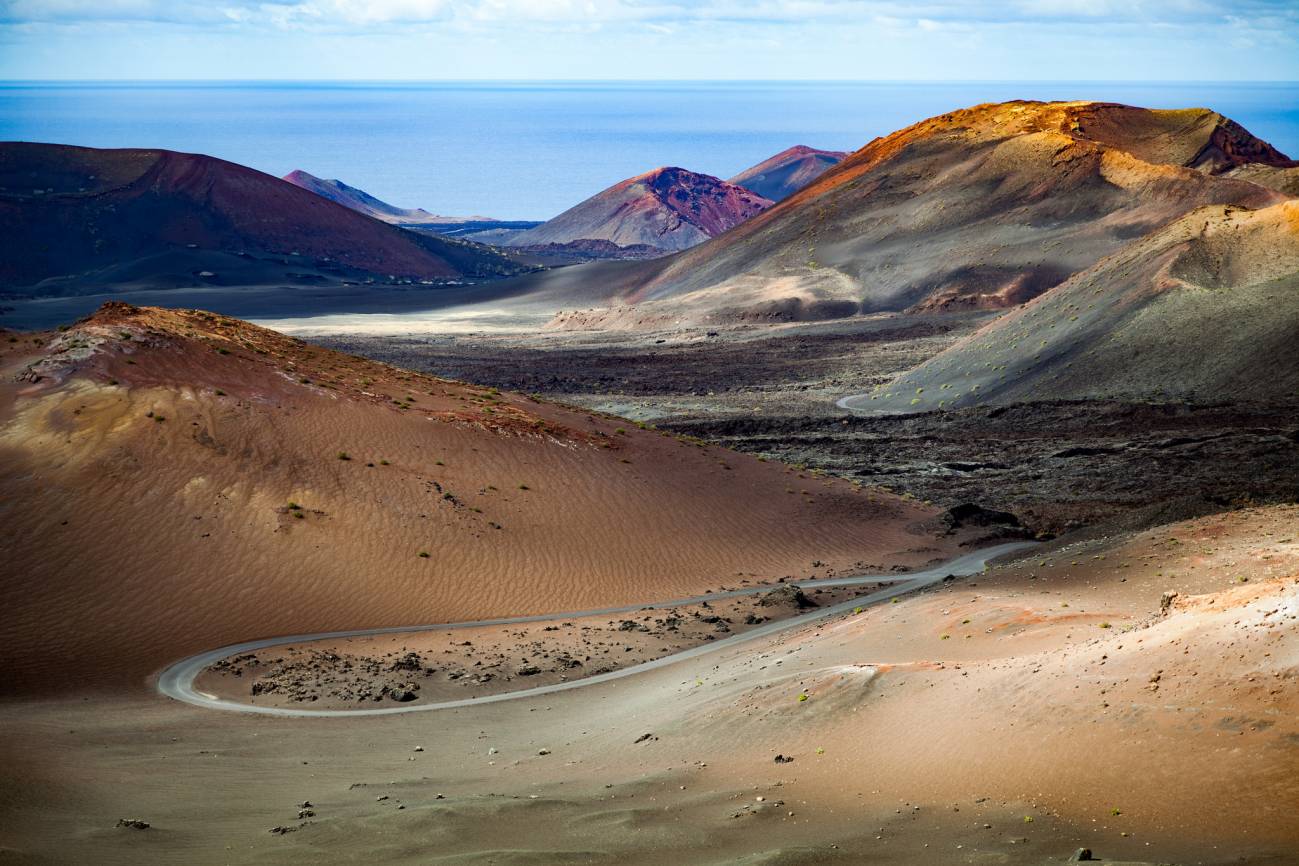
(1206, 309)
(172, 481)
(993, 721)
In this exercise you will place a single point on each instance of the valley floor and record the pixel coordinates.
(772, 390)
(1134, 694)
(1131, 687)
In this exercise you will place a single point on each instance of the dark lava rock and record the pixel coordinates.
(409, 662)
(969, 514)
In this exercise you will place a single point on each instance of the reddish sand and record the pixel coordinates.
(182, 486)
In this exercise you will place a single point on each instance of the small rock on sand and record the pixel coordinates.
(787, 595)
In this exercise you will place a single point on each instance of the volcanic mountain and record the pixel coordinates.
(174, 480)
(75, 219)
(788, 171)
(985, 207)
(361, 201)
(667, 208)
(1203, 310)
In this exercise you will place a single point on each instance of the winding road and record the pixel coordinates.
(177, 681)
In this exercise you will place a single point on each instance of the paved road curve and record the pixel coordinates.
(177, 681)
(850, 403)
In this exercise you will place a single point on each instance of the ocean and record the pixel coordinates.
(529, 150)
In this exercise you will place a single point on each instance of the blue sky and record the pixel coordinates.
(1178, 40)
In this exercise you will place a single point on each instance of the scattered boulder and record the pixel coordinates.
(787, 595)
(784, 759)
(133, 824)
(403, 694)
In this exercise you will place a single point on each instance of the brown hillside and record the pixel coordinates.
(1205, 310)
(174, 481)
(74, 219)
(981, 208)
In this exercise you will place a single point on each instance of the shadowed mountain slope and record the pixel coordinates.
(668, 208)
(1206, 310)
(361, 201)
(788, 171)
(74, 219)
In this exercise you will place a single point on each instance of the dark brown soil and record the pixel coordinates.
(1057, 465)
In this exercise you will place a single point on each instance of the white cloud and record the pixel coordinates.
(522, 13)
(1076, 39)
